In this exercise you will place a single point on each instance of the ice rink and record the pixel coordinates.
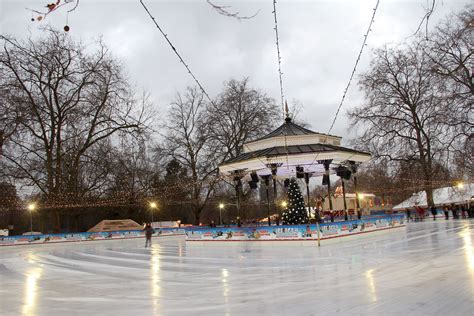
(424, 269)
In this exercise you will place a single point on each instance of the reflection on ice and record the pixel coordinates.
(155, 277)
(429, 267)
(370, 280)
(468, 251)
(225, 274)
(31, 290)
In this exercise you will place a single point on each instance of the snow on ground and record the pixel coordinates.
(427, 268)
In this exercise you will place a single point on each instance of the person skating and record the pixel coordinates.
(446, 211)
(454, 210)
(463, 211)
(148, 233)
(433, 212)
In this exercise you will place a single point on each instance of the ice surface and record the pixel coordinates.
(427, 268)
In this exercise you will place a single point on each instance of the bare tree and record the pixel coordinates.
(426, 18)
(404, 113)
(450, 54)
(239, 115)
(187, 142)
(71, 101)
(9, 119)
(450, 50)
(131, 171)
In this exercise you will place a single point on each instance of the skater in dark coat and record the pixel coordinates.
(454, 210)
(148, 233)
(433, 212)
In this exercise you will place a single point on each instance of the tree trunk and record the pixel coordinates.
(429, 196)
(197, 214)
(57, 224)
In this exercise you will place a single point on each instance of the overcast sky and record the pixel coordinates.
(319, 43)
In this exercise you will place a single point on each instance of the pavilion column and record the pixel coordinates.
(359, 213)
(306, 180)
(276, 208)
(274, 169)
(238, 187)
(267, 185)
(353, 165)
(346, 217)
(237, 200)
(327, 179)
(316, 211)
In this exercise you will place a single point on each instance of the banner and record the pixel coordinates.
(295, 232)
(54, 238)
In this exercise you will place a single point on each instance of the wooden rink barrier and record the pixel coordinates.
(85, 236)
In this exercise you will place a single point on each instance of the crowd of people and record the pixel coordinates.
(453, 211)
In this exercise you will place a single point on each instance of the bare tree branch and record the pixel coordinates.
(223, 10)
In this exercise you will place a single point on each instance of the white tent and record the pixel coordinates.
(441, 196)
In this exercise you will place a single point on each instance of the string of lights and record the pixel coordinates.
(176, 52)
(284, 106)
(364, 44)
(168, 193)
(279, 57)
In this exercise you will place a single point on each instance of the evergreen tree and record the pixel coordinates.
(295, 212)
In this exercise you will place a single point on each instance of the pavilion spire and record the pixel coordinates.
(287, 113)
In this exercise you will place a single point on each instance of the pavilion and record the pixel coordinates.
(292, 151)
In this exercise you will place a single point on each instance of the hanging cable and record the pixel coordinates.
(355, 66)
(176, 52)
(364, 44)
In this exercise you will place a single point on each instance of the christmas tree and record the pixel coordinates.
(295, 212)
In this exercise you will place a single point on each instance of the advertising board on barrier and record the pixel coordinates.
(89, 236)
(297, 232)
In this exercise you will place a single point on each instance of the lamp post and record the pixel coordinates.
(327, 178)
(153, 205)
(221, 207)
(31, 208)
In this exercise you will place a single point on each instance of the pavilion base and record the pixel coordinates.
(297, 233)
(297, 242)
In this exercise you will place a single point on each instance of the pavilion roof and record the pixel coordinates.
(291, 145)
(291, 150)
(289, 129)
